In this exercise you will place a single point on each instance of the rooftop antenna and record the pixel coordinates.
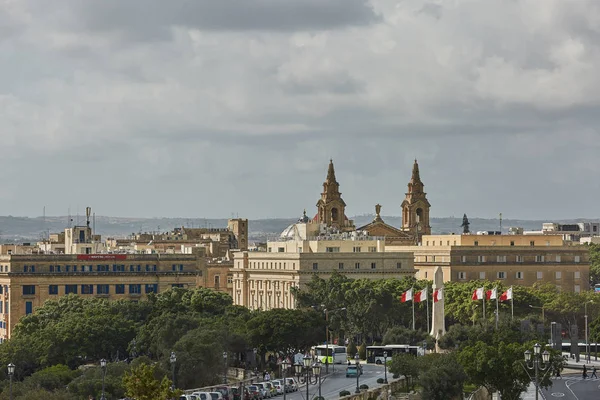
(88, 212)
(69, 219)
(44, 224)
(500, 223)
(94, 225)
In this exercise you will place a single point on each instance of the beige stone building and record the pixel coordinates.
(217, 242)
(511, 259)
(27, 281)
(263, 280)
(319, 246)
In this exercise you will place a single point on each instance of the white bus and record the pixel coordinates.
(333, 353)
(375, 353)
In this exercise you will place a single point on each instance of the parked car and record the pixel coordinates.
(255, 393)
(353, 370)
(266, 393)
(280, 382)
(292, 384)
(279, 388)
(269, 385)
(224, 390)
(202, 396)
(216, 395)
(235, 393)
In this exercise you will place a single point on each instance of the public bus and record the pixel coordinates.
(597, 288)
(375, 353)
(332, 354)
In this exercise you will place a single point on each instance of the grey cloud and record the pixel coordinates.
(150, 20)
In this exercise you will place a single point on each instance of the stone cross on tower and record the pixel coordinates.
(438, 327)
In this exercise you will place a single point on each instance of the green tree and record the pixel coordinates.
(594, 263)
(403, 335)
(141, 384)
(352, 349)
(286, 331)
(406, 365)
(496, 366)
(442, 378)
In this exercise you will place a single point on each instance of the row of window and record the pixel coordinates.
(268, 283)
(29, 290)
(519, 259)
(518, 275)
(101, 268)
(341, 266)
(268, 265)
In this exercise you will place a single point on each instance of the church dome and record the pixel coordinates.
(288, 233)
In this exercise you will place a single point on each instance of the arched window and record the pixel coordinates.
(419, 215)
(334, 214)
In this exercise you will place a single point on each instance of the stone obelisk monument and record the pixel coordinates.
(438, 327)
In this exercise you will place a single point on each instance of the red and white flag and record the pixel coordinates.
(491, 294)
(438, 294)
(478, 294)
(407, 296)
(507, 295)
(421, 295)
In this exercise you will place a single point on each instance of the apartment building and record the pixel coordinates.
(512, 259)
(27, 281)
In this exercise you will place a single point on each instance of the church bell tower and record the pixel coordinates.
(415, 207)
(331, 207)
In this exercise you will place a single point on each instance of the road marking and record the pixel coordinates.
(568, 385)
(558, 394)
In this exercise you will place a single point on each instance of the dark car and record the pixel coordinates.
(235, 394)
(255, 393)
(224, 390)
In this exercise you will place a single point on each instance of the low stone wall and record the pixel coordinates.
(383, 392)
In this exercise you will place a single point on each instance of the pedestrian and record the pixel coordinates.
(594, 372)
(584, 375)
(267, 377)
(558, 373)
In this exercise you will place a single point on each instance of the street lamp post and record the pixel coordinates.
(103, 366)
(317, 372)
(11, 372)
(540, 362)
(587, 341)
(306, 367)
(173, 360)
(284, 366)
(225, 363)
(385, 367)
(357, 359)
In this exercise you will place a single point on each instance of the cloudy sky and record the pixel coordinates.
(208, 108)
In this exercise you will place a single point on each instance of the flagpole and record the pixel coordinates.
(497, 308)
(413, 310)
(427, 300)
(512, 305)
(483, 298)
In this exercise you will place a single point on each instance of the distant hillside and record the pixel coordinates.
(32, 229)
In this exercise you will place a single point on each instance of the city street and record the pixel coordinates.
(331, 387)
(571, 387)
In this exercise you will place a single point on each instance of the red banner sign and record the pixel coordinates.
(101, 257)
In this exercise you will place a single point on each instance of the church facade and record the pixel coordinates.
(327, 243)
(415, 216)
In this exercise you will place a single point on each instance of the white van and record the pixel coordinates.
(202, 395)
